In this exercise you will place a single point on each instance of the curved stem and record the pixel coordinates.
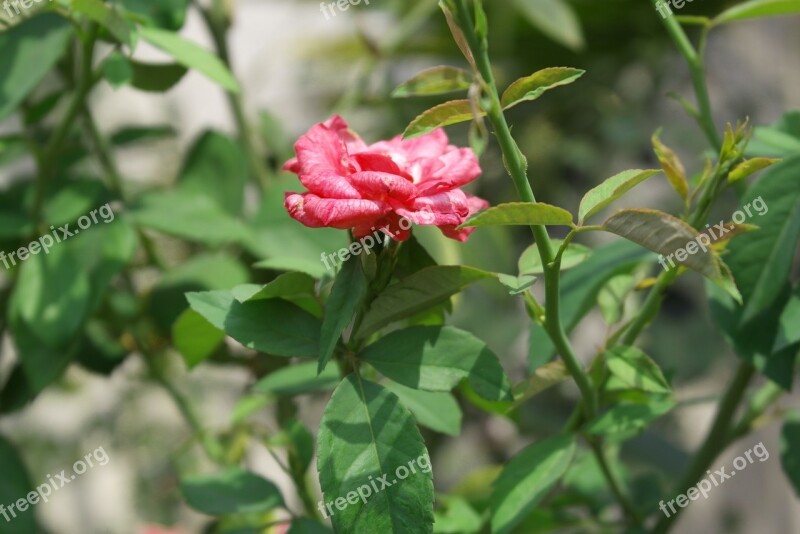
(517, 168)
(716, 440)
(697, 71)
(217, 28)
(56, 143)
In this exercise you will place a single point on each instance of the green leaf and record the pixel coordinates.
(347, 294)
(301, 447)
(554, 18)
(748, 167)
(527, 478)
(438, 411)
(191, 55)
(435, 81)
(624, 420)
(673, 168)
(516, 284)
(636, 370)
(272, 326)
(664, 234)
(16, 485)
(156, 77)
(520, 213)
(298, 379)
(533, 86)
(30, 50)
(610, 190)
(458, 517)
(548, 375)
(203, 272)
(418, 292)
(439, 116)
(761, 260)
(108, 17)
(117, 70)
(611, 299)
(531, 263)
(52, 295)
(788, 330)
(212, 157)
(790, 449)
(307, 526)
(167, 14)
(780, 140)
(366, 435)
(435, 358)
(233, 491)
(285, 285)
(195, 338)
(756, 9)
(190, 216)
(755, 341)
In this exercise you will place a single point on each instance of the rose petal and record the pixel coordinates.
(382, 185)
(323, 164)
(458, 167)
(344, 213)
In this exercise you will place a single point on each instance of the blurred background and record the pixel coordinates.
(297, 67)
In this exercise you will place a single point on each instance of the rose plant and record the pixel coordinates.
(372, 346)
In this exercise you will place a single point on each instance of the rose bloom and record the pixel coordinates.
(386, 186)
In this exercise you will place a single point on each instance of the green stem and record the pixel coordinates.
(517, 168)
(104, 156)
(697, 71)
(716, 440)
(616, 488)
(55, 145)
(217, 27)
(760, 403)
(212, 447)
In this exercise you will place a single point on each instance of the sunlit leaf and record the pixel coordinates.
(535, 85)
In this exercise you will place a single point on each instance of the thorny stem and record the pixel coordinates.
(517, 168)
(698, 73)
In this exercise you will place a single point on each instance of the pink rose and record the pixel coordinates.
(385, 186)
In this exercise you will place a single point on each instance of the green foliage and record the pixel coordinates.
(365, 436)
(554, 18)
(435, 81)
(439, 116)
(521, 213)
(349, 290)
(610, 190)
(398, 338)
(436, 358)
(535, 85)
(232, 491)
(31, 49)
(790, 449)
(417, 292)
(191, 56)
(527, 478)
(288, 331)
